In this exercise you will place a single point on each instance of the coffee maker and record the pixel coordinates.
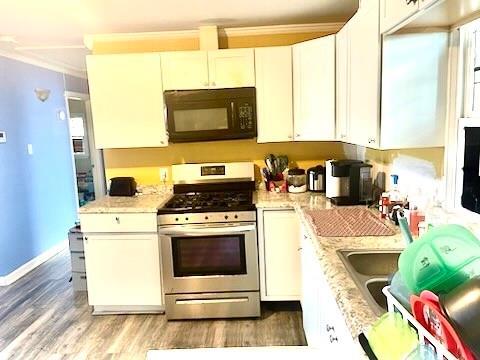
(349, 182)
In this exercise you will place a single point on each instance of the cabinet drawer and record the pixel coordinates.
(78, 261)
(112, 223)
(79, 281)
(76, 242)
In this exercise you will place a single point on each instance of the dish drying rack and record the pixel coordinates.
(424, 337)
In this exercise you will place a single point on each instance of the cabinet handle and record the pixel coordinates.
(290, 136)
(83, 277)
(205, 84)
(371, 140)
(297, 135)
(343, 136)
(299, 249)
(330, 328)
(411, 2)
(117, 219)
(214, 83)
(86, 238)
(333, 339)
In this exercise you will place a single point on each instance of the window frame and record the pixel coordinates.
(460, 114)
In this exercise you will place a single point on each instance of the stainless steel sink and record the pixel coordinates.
(370, 270)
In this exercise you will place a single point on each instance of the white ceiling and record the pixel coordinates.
(46, 26)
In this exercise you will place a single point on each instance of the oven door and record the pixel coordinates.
(209, 258)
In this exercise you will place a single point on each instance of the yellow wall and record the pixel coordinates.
(224, 42)
(144, 164)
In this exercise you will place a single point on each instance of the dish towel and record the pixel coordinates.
(349, 221)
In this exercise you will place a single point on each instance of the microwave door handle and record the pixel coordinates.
(174, 230)
(234, 117)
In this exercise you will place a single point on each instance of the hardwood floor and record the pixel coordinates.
(42, 318)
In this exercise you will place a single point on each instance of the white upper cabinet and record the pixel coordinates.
(231, 68)
(394, 12)
(185, 70)
(127, 100)
(273, 78)
(314, 89)
(364, 76)
(414, 116)
(342, 83)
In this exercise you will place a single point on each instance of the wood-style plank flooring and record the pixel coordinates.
(42, 318)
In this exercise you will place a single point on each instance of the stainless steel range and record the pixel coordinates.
(208, 238)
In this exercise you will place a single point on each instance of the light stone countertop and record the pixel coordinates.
(355, 309)
(149, 201)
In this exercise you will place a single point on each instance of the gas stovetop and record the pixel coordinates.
(215, 201)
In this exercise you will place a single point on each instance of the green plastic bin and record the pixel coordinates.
(445, 257)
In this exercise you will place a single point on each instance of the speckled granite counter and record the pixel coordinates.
(149, 201)
(265, 200)
(356, 311)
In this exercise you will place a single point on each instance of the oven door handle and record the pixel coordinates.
(199, 231)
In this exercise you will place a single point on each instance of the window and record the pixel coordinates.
(463, 145)
(77, 133)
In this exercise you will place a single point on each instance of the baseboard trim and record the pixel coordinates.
(32, 264)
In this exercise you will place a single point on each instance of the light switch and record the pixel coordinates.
(3, 137)
(30, 149)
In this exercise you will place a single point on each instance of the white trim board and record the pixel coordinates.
(32, 264)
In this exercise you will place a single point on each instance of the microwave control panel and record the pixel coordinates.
(245, 114)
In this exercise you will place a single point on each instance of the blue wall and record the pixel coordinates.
(37, 202)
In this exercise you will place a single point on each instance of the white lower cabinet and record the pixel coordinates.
(122, 263)
(323, 322)
(123, 270)
(279, 248)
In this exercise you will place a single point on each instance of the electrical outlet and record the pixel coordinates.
(163, 172)
(30, 149)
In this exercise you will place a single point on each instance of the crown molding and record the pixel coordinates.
(90, 39)
(281, 29)
(36, 61)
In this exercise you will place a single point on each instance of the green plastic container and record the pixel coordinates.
(445, 257)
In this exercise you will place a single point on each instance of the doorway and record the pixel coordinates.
(86, 159)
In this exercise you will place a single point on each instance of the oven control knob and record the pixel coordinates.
(186, 219)
(226, 217)
(206, 217)
(236, 216)
(176, 219)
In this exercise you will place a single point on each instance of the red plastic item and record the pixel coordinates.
(427, 311)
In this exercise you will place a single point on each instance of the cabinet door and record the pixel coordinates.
(127, 100)
(394, 12)
(185, 70)
(281, 245)
(364, 97)
(342, 83)
(314, 89)
(310, 295)
(414, 117)
(273, 78)
(123, 270)
(231, 68)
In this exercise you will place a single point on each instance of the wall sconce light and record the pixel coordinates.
(42, 94)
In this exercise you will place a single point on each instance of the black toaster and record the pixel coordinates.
(123, 186)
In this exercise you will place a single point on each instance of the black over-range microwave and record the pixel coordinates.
(207, 115)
